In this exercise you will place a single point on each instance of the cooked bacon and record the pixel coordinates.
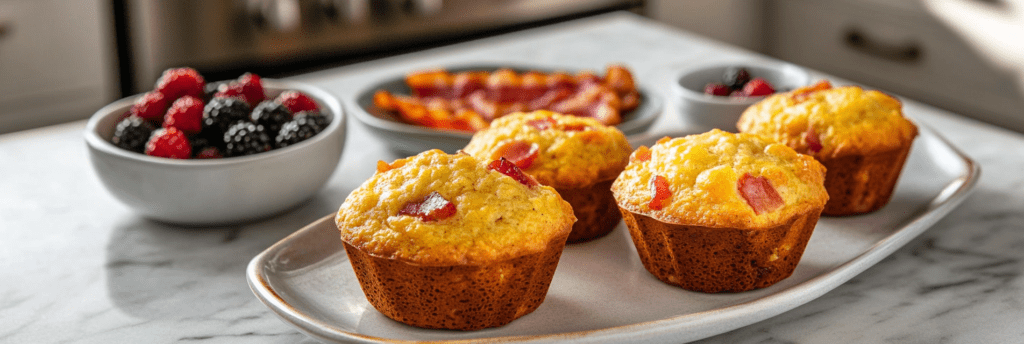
(642, 154)
(489, 95)
(507, 168)
(813, 140)
(521, 153)
(431, 208)
(759, 193)
(803, 93)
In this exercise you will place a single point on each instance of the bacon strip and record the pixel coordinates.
(469, 100)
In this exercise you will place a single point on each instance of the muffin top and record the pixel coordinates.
(826, 121)
(720, 180)
(558, 150)
(441, 209)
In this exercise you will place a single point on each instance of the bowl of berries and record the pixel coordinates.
(195, 153)
(714, 95)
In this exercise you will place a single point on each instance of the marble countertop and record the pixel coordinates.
(78, 266)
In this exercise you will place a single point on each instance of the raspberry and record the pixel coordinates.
(302, 127)
(271, 116)
(717, 89)
(248, 87)
(297, 101)
(169, 143)
(245, 138)
(177, 82)
(186, 114)
(151, 106)
(132, 133)
(252, 88)
(757, 87)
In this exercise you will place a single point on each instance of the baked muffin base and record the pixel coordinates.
(859, 184)
(458, 297)
(713, 260)
(595, 209)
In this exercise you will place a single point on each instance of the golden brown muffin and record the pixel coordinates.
(720, 212)
(577, 156)
(859, 135)
(445, 241)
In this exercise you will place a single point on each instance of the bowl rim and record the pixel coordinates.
(803, 73)
(98, 143)
(652, 99)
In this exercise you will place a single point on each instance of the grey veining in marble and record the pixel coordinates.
(77, 266)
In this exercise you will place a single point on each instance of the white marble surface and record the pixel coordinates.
(77, 266)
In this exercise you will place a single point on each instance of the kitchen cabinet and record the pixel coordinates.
(896, 46)
(56, 61)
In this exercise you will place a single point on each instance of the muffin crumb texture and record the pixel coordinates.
(496, 217)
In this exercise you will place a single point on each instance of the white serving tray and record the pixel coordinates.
(600, 292)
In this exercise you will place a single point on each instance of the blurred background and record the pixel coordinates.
(60, 60)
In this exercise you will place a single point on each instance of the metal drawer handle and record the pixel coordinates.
(907, 52)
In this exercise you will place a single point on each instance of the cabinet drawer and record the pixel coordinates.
(900, 49)
(56, 61)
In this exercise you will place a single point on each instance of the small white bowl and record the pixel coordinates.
(707, 112)
(218, 191)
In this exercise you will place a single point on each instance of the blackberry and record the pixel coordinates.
(735, 77)
(220, 113)
(132, 133)
(303, 126)
(271, 115)
(245, 138)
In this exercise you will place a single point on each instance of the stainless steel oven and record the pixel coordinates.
(223, 38)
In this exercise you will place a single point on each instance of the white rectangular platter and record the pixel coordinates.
(600, 292)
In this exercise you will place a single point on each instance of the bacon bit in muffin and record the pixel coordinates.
(659, 193)
(803, 93)
(575, 127)
(542, 123)
(521, 153)
(507, 168)
(432, 208)
(642, 154)
(813, 140)
(759, 193)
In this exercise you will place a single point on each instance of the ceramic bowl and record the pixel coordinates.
(706, 112)
(217, 191)
(412, 139)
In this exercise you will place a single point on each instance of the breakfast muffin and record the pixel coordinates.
(720, 212)
(859, 135)
(577, 156)
(449, 241)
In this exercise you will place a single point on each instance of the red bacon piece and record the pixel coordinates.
(759, 193)
(521, 153)
(642, 154)
(813, 140)
(432, 208)
(803, 93)
(542, 123)
(660, 193)
(507, 168)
